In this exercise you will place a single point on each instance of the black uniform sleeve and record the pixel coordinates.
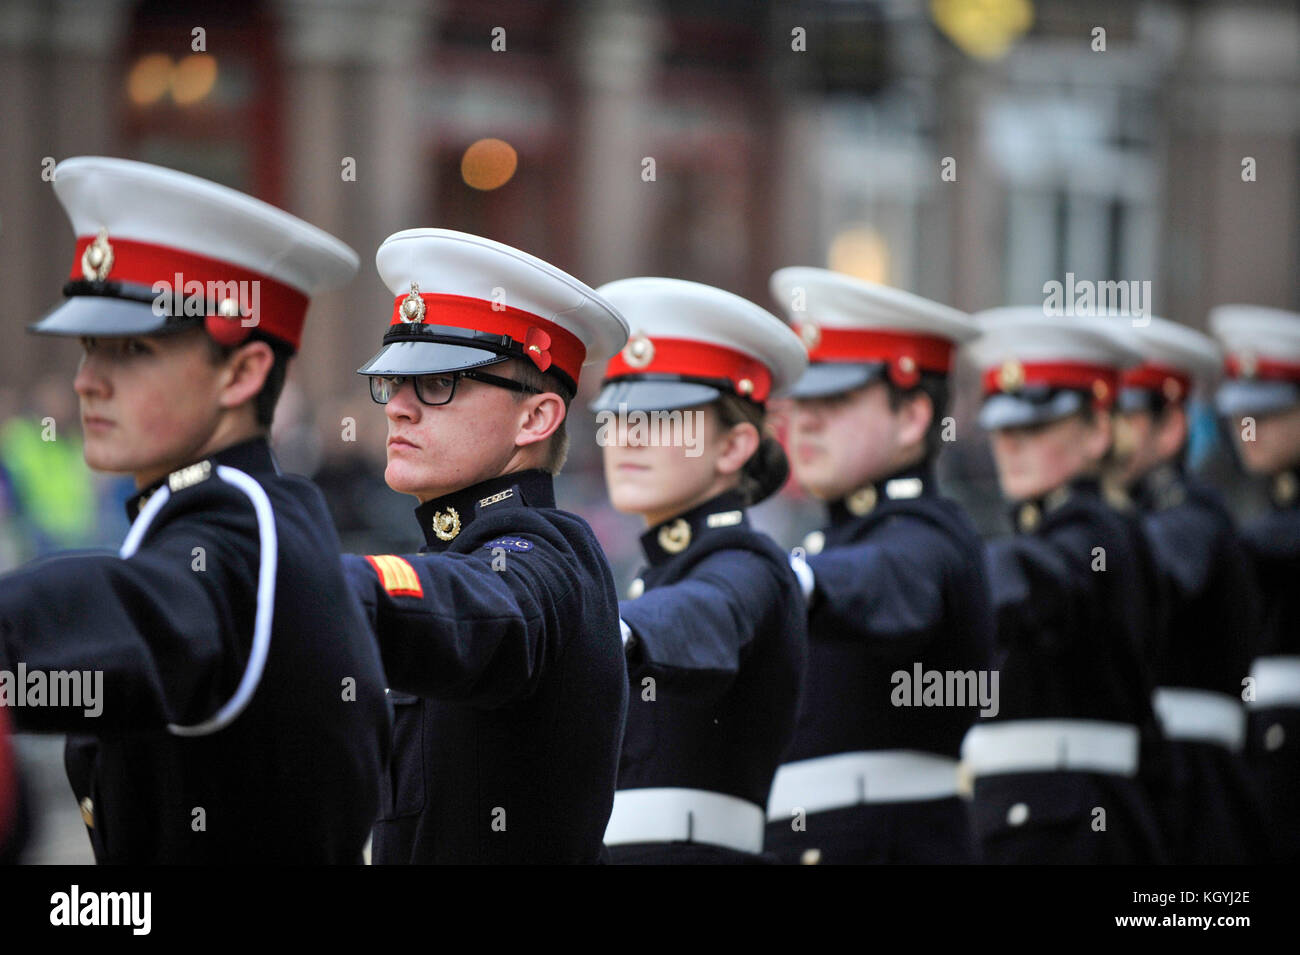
(691, 635)
(1184, 547)
(1036, 581)
(473, 634)
(901, 610)
(169, 628)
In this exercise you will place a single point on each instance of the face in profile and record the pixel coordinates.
(149, 404)
(842, 441)
(649, 473)
(1036, 459)
(1274, 443)
(436, 449)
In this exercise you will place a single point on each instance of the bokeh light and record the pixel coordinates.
(149, 79)
(488, 164)
(194, 78)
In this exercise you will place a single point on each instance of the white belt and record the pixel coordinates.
(850, 779)
(685, 815)
(1202, 716)
(1033, 746)
(1277, 682)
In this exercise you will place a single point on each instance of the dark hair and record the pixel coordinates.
(525, 372)
(265, 401)
(934, 387)
(767, 469)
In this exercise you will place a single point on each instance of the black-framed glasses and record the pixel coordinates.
(438, 388)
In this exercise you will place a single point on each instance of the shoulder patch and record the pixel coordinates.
(189, 476)
(509, 543)
(396, 575)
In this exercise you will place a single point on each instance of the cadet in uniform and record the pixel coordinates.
(1198, 667)
(1260, 399)
(715, 627)
(242, 717)
(896, 581)
(1056, 773)
(501, 638)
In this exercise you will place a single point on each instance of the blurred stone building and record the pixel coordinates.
(968, 151)
(768, 147)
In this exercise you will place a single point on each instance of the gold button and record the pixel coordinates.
(745, 386)
(1018, 814)
(814, 542)
(811, 857)
(1027, 517)
(1274, 737)
(675, 537)
(862, 501)
(1285, 487)
(88, 812)
(635, 589)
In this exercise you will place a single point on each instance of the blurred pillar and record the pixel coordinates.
(59, 72)
(1236, 96)
(618, 51)
(352, 81)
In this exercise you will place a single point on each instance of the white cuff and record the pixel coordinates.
(625, 629)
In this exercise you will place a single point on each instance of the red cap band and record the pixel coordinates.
(907, 354)
(1170, 382)
(543, 341)
(275, 309)
(694, 359)
(1010, 376)
(1249, 366)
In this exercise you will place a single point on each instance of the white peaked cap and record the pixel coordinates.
(138, 224)
(1262, 367)
(1038, 367)
(480, 300)
(692, 342)
(857, 331)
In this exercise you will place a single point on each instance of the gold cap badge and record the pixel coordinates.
(97, 260)
(1011, 376)
(1247, 364)
(639, 351)
(675, 537)
(446, 524)
(413, 307)
(810, 335)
